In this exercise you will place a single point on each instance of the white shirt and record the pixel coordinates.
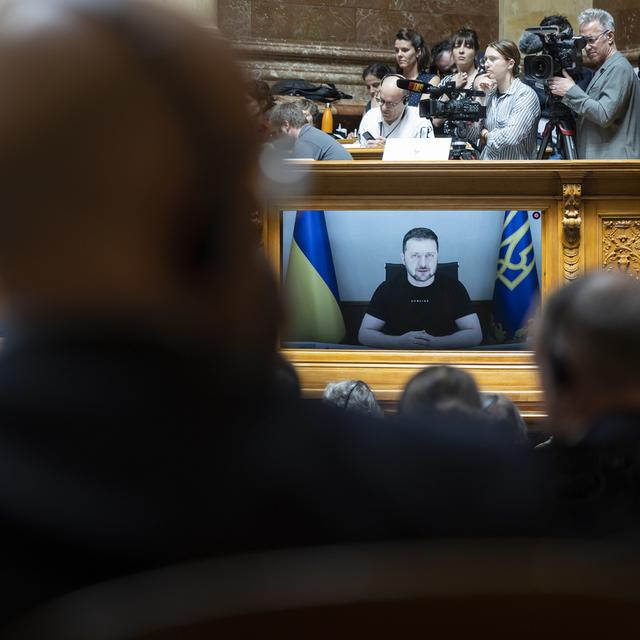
(408, 125)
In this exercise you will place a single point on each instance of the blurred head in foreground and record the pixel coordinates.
(127, 176)
(352, 396)
(588, 349)
(500, 407)
(442, 388)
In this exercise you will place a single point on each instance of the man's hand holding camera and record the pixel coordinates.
(560, 86)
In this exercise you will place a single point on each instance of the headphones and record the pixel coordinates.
(405, 97)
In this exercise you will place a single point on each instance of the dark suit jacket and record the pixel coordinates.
(596, 483)
(119, 452)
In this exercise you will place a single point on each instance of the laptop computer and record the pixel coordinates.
(416, 149)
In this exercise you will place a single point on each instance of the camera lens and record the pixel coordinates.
(539, 67)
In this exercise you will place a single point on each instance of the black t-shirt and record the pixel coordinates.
(434, 309)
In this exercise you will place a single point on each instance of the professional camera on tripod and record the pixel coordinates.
(549, 53)
(458, 112)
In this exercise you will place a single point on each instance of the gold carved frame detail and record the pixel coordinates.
(571, 228)
(621, 245)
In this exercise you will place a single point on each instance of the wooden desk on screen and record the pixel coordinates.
(591, 221)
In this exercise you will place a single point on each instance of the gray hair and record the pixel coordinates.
(290, 112)
(602, 17)
(352, 396)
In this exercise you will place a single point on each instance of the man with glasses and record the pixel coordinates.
(393, 118)
(608, 111)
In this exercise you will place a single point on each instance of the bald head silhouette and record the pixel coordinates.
(127, 173)
(588, 347)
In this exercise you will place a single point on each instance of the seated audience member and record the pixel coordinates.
(442, 388)
(513, 108)
(371, 76)
(412, 61)
(352, 396)
(260, 102)
(286, 383)
(442, 63)
(500, 407)
(393, 118)
(464, 47)
(608, 110)
(138, 309)
(289, 125)
(311, 111)
(420, 308)
(588, 349)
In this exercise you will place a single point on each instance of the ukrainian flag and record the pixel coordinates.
(516, 288)
(311, 286)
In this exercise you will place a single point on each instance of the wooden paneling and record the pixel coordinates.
(591, 221)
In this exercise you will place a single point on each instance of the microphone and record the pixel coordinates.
(530, 43)
(414, 85)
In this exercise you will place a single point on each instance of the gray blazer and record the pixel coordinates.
(608, 112)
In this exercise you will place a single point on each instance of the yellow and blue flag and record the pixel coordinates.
(311, 285)
(516, 288)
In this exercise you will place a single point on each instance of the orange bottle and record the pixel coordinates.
(327, 119)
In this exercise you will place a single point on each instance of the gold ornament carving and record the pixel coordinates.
(621, 245)
(571, 225)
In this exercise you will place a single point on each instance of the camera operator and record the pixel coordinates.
(513, 108)
(549, 104)
(608, 112)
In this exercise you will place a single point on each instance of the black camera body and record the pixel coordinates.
(456, 112)
(459, 107)
(559, 51)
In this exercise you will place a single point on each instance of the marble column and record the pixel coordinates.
(516, 15)
(204, 10)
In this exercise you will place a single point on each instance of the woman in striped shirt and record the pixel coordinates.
(513, 108)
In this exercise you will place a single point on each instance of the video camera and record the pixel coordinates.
(460, 109)
(550, 51)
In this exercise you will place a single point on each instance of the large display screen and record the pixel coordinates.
(333, 261)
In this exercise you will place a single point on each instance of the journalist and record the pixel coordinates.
(394, 118)
(608, 111)
(513, 108)
(552, 108)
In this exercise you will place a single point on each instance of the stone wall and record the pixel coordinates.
(627, 16)
(333, 40)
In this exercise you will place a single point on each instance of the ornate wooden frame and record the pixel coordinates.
(591, 221)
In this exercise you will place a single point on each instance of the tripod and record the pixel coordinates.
(560, 120)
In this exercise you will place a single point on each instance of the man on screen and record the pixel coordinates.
(422, 308)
